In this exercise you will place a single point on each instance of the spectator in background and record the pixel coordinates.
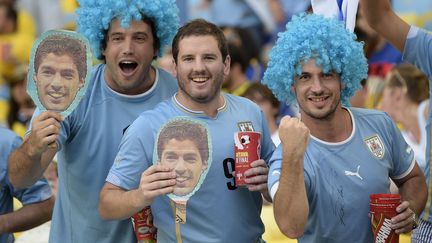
(15, 46)
(406, 99)
(236, 81)
(241, 38)
(268, 103)
(21, 106)
(381, 55)
(17, 33)
(166, 62)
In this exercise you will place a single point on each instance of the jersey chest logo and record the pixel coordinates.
(375, 146)
(245, 126)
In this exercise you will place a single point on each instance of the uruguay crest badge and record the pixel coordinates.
(375, 146)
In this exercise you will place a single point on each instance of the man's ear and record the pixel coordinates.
(227, 65)
(174, 67)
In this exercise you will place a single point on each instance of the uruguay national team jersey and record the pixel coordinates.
(36, 193)
(339, 177)
(418, 51)
(219, 211)
(88, 143)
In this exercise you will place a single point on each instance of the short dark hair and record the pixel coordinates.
(181, 130)
(145, 19)
(62, 44)
(200, 27)
(11, 14)
(238, 55)
(264, 91)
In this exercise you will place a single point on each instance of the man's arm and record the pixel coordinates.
(28, 162)
(117, 203)
(291, 207)
(27, 217)
(384, 20)
(414, 194)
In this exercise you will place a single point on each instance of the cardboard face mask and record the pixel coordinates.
(59, 71)
(184, 145)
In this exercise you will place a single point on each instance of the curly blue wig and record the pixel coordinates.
(94, 19)
(323, 39)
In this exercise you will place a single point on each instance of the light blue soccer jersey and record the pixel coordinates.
(219, 211)
(418, 51)
(339, 177)
(88, 143)
(39, 192)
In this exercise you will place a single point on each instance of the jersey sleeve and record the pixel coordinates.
(40, 191)
(275, 171)
(402, 154)
(134, 156)
(418, 50)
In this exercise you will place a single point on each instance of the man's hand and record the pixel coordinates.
(45, 131)
(294, 136)
(157, 180)
(405, 220)
(256, 176)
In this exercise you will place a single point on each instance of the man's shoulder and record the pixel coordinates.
(7, 134)
(162, 109)
(372, 117)
(239, 100)
(166, 77)
(366, 112)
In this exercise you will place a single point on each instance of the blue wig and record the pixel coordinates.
(94, 18)
(325, 40)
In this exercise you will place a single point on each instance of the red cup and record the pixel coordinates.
(247, 149)
(145, 231)
(382, 209)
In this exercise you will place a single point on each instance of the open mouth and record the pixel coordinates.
(128, 67)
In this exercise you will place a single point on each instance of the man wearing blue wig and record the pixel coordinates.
(332, 158)
(416, 46)
(127, 36)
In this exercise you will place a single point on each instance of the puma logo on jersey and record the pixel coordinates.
(276, 172)
(357, 173)
(408, 150)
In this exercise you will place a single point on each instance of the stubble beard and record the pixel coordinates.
(325, 116)
(205, 98)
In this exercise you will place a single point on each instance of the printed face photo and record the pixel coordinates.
(185, 159)
(59, 68)
(183, 146)
(58, 82)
